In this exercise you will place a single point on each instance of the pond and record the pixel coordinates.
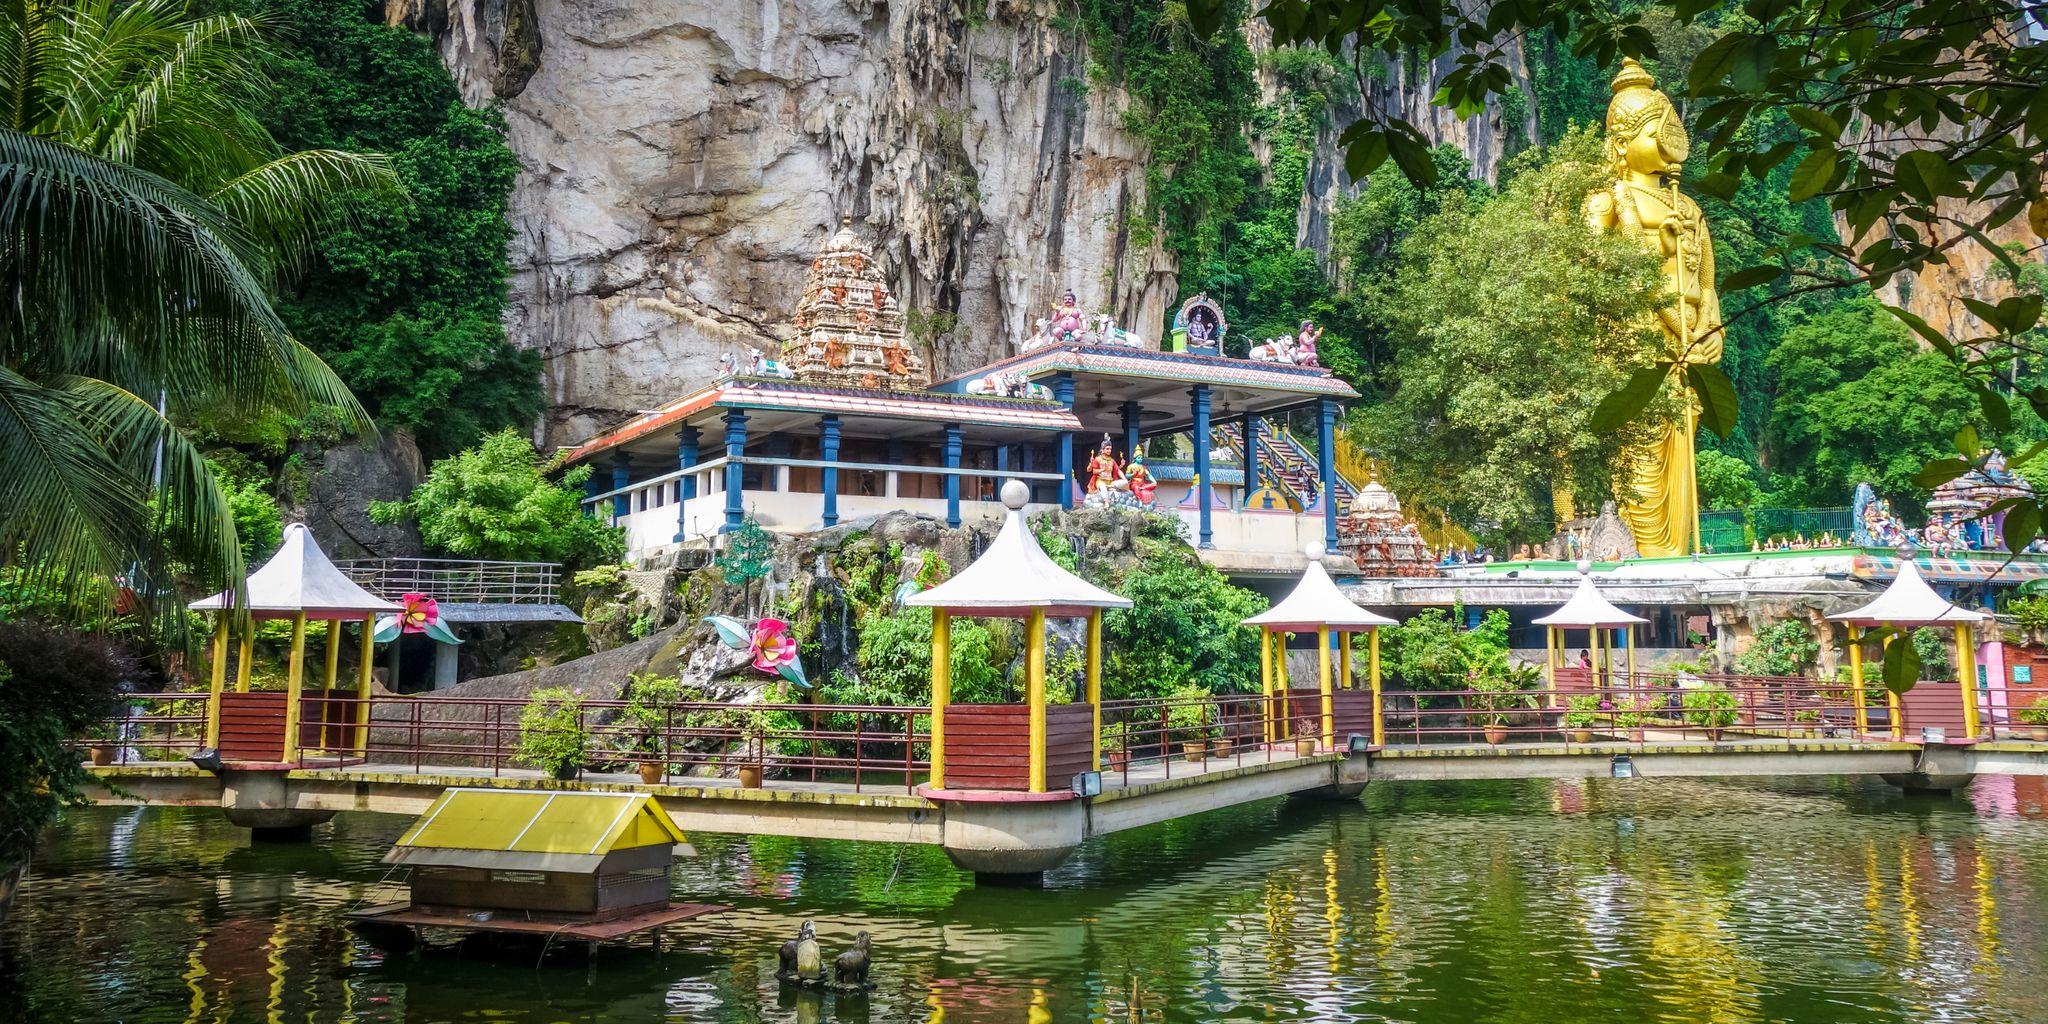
(1812, 901)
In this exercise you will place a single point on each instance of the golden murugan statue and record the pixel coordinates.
(1647, 145)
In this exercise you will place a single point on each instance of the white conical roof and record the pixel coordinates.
(1015, 576)
(1316, 602)
(301, 578)
(1588, 609)
(1909, 601)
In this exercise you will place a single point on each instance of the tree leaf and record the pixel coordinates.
(1968, 444)
(1901, 664)
(1811, 177)
(1939, 471)
(1617, 409)
(1713, 64)
(1206, 16)
(1925, 175)
(1750, 278)
(1719, 408)
(1817, 122)
(2022, 524)
(1997, 412)
(1751, 66)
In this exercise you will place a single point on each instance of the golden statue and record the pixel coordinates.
(1647, 145)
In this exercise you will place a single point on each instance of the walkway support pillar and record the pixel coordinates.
(1034, 693)
(1856, 680)
(735, 452)
(295, 676)
(1094, 683)
(942, 690)
(1549, 658)
(828, 453)
(686, 485)
(1891, 697)
(1199, 396)
(1326, 467)
(1966, 680)
(1379, 728)
(1329, 705)
(953, 442)
(220, 677)
(367, 654)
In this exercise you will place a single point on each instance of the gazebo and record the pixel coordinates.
(1909, 603)
(1590, 611)
(1009, 746)
(299, 583)
(1316, 603)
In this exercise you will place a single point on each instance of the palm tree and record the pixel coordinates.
(143, 215)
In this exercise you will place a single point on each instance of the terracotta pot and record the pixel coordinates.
(1635, 735)
(1219, 748)
(1496, 734)
(651, 772)
(103, 754)
(1116, 759)
(1304, 748)
(1580, 735)
(2038, 735)
(568, 771)
(1194, 750)
(750, 776)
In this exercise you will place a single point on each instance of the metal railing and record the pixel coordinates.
(149, 727)
(457, 581)
(1645, 707)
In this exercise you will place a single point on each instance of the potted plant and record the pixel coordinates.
(1187, 721)
(103, 747)
(1583, 711)
(1631, 713)
(1498, 692)
(1307, 732)
(1116, 739)
(651, 703)
(1711, 708)
(2036, 716)
(552, 736)
(753, 726)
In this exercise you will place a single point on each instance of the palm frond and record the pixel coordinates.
(68, 507)
(286, 201)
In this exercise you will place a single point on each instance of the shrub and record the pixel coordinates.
(1780, 649)
(1632, 712)
(651, 701)
(55, 683)
(2031, 611)
(1184, 628)
(1499, 691)
(552, 736)
(1583, 711)
(1430, 652)
(495, 501)
(2035, 714)
(1188, 718)
(1709, 707)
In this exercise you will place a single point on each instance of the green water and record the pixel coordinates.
(1737, 901)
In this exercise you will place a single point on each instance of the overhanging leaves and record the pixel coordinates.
(1617, 409)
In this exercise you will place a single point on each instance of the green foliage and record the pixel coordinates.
(1190, 718)
(1583, 711)
(1781, 649)
(2031, 611)
(1500, 691)
(1521, 319)
(895, 658)
(407, 297)
(1726, 482)
(259, 523)
(1430, 652)
(1936, 648)
(55, 683)
(552, 735)
(2035, 714)
(1709, 707)
(495, 501)
(651, 702)
(1633, 711)
(1183, 629)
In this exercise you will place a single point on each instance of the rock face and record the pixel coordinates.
(331, 494)
(682, 161)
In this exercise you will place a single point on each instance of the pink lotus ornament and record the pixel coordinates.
(418, 612)
(773, 646)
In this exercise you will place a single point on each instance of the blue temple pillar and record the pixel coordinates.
(622, 504)
(828, 453)
(592, 487)
(686, 486)
(1326, 467)
(1251, 456)
(1063, 447)
(1199, 394)
(953, 479)
(1130, 427)
(1002, 458)
(735, 450)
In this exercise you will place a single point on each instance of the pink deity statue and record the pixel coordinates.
(1140, 479)
(1067, 321)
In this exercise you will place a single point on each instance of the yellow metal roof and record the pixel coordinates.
(528, 821)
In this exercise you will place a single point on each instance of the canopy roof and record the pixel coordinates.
(1908, 601)
(1015, 576)
(1316, 602)
(1587, 609)
(529, 830)
(301, 578)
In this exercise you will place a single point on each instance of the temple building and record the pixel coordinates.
(848, 423)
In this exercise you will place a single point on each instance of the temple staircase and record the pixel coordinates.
(1284, 463)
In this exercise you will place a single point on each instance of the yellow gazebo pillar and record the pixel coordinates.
(1549, 654)
(1628, 636)
(295, 675)
(1344, 656)
(1891, 699)
(942, 690)
(329, 670)
(1329, 704)
(1034, 693)
(367, 655)
(1856, 680)
(1094, 675)
(1372, 647)
(245, 655)
(1966, 678)
(1266, 682)
(220, 677)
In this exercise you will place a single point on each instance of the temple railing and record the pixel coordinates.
(457, 581)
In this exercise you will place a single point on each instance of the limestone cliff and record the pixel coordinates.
(683, 160)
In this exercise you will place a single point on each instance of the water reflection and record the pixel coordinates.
(1815, 901)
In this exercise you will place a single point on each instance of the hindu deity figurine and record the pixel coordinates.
(1139, 480)
(1068, 323)
(1305, 344)
(1105, 473)
(1647, 146)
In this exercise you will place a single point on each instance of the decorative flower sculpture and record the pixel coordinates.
(768, 641)
(418, 611)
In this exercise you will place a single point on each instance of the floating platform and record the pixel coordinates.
(405, 915)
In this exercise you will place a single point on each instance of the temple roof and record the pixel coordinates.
(1908, 601)
(1015, 576)
(300, 577)
(1587, 609)
(1316, 602)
